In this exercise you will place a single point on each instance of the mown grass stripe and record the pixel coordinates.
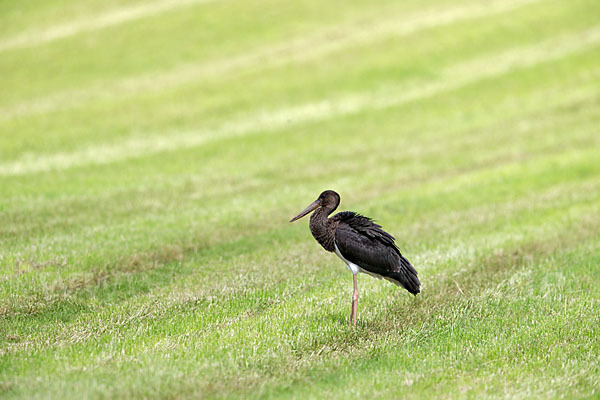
(92, 23)
(296, 50)
(453, 78)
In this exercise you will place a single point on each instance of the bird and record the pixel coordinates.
(361, 243)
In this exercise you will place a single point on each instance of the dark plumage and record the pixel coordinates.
(361, 243)
(364, 243)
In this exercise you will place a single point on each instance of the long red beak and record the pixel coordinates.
(313, 206)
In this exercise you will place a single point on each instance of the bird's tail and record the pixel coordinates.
(405, 275)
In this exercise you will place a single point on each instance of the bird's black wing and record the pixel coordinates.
(364, 243)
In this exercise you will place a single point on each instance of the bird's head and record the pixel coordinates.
(328, 200)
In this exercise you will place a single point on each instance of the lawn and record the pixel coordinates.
(152, 153)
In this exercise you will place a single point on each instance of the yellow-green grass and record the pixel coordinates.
(151, 154)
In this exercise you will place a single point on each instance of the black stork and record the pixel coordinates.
(360, 243)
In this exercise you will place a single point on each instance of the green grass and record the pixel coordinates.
(151, 154)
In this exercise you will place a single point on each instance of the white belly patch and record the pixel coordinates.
(355, 269)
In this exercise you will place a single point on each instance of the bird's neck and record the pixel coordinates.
(321, 230)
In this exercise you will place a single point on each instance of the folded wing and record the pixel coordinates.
(367, 245)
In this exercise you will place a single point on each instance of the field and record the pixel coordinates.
(152, 153)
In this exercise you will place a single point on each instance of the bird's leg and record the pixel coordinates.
(354, 303)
